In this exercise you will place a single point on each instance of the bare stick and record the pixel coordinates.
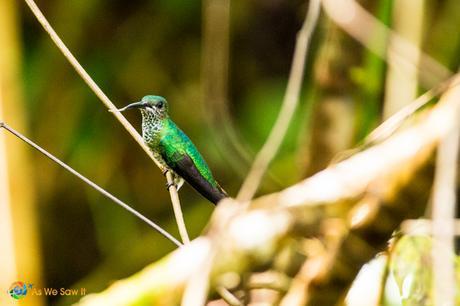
(99, 93)
(390, 125)
(90, 183)
(290, 101)
(177, 209)
(444, 194)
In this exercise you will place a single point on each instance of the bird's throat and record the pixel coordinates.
(151, 127)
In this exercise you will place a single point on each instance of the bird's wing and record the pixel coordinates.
(181, 163)
(186, 168)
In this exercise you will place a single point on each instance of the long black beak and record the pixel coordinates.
(139, 104)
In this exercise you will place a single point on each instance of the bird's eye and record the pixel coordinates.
(160, 105)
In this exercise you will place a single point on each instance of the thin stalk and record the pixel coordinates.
(90, 183)
(177, 209)
(390, 125)
(290, 101)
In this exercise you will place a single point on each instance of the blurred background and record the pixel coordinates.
(224, 73)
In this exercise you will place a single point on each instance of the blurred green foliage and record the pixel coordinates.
(411, 266)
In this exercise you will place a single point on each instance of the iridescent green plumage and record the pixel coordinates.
(174, 144)
(174, 149)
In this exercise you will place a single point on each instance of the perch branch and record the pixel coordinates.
(290, 101)
(177, 209)
(101, 95)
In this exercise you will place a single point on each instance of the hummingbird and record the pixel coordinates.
(174, 149)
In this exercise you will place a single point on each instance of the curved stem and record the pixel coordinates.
(290, 101)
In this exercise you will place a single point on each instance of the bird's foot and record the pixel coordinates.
(179, 182)
(169, 185)
(164, 172)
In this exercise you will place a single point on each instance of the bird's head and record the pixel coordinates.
(154, 107)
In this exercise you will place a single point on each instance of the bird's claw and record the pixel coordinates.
(169, 185)
(164, 172)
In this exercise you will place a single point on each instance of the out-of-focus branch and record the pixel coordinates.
(390, 125)
(444, 202)
(369, 31)
(316, 266)
(290, 101)
(104, 99)
(215, 62)
(93, 185)
(401, 86)
(365, 188)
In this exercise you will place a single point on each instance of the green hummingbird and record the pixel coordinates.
(174, 149)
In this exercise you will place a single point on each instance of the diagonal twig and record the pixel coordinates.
(390, 125)
(396, 121)
(290, 101)
(103, 97)
(90, 183)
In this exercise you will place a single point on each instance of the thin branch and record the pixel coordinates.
(214, 75)
(290, 101)
(90, 183)
(390, 125)
(444, 201)
(393, 123)
(177, 209)
(100, 94)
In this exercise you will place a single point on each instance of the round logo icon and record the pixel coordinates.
(17, 290)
